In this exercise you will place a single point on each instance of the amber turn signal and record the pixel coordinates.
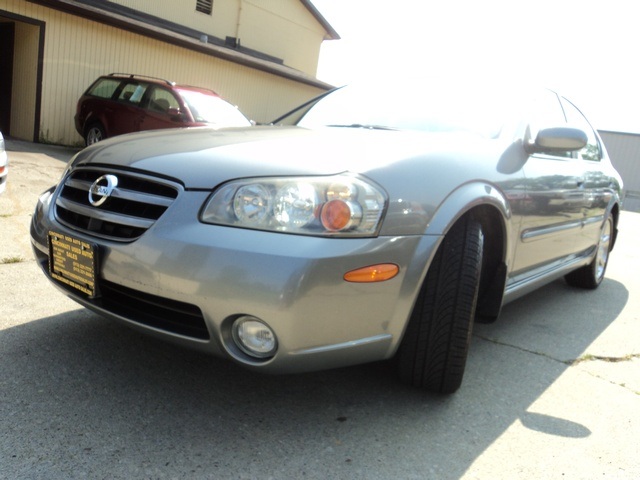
(372, 273)
(335, 215)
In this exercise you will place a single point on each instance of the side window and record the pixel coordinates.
(104, 88)
(132, 93)
(591, 151)
(546, 112)
(162, 100)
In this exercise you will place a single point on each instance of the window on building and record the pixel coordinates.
(204, 6)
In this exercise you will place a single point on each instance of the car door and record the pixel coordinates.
(126, 113)
(552, 215)
(597, 185)
(161, 110)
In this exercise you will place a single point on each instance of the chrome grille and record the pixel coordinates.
(131, 208)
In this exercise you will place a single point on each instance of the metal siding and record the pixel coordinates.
(78, 50)
(624, 151)
(220, 23)
(265, 25)
(269, 27)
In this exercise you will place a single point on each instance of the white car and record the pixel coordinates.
(4, 165)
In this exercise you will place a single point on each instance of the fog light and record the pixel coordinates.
(254, 337)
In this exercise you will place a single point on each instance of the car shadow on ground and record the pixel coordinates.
(82, 395)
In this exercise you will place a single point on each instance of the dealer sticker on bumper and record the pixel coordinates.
(73, 262)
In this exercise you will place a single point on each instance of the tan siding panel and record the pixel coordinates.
(186, 13)
(78, 50)
(269, 26)
(263, 25)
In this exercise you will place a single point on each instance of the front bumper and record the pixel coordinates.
(200, 277)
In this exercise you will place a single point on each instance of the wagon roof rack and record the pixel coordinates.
(134, 75)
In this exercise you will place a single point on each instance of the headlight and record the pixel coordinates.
(337, 205)
(38, 215)
(252, 204)
(69, 167)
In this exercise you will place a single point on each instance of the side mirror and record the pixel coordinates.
(557, 140)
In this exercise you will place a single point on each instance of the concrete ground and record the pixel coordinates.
(552, 390)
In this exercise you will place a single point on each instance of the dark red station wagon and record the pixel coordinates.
(124, 103)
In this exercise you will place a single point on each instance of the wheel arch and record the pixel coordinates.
(95, 123)
(493, 277)
(91, 122)
(490, 207)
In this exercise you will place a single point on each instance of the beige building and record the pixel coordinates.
(261, 55)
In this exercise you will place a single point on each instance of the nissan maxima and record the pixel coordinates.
(369, 224)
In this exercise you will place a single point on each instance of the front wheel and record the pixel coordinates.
(433, 351)
(94, 134)
(591, 276)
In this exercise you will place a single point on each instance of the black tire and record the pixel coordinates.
(591, 276)
(95, 132)
(433, 351)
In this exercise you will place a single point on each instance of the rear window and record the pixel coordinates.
(104, 88)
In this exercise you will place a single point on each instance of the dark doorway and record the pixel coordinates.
(7, 39)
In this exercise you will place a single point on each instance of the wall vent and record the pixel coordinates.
(204, 6)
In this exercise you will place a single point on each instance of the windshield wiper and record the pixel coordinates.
(362, 125)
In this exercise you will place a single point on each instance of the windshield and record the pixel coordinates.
(211, 109)
(427, 109)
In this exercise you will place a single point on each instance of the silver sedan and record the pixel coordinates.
(367, 225)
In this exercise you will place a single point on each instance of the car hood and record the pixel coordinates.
(202, 158)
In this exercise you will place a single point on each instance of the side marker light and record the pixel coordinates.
(372, 273)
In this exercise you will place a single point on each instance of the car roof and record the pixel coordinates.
(158, 81)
